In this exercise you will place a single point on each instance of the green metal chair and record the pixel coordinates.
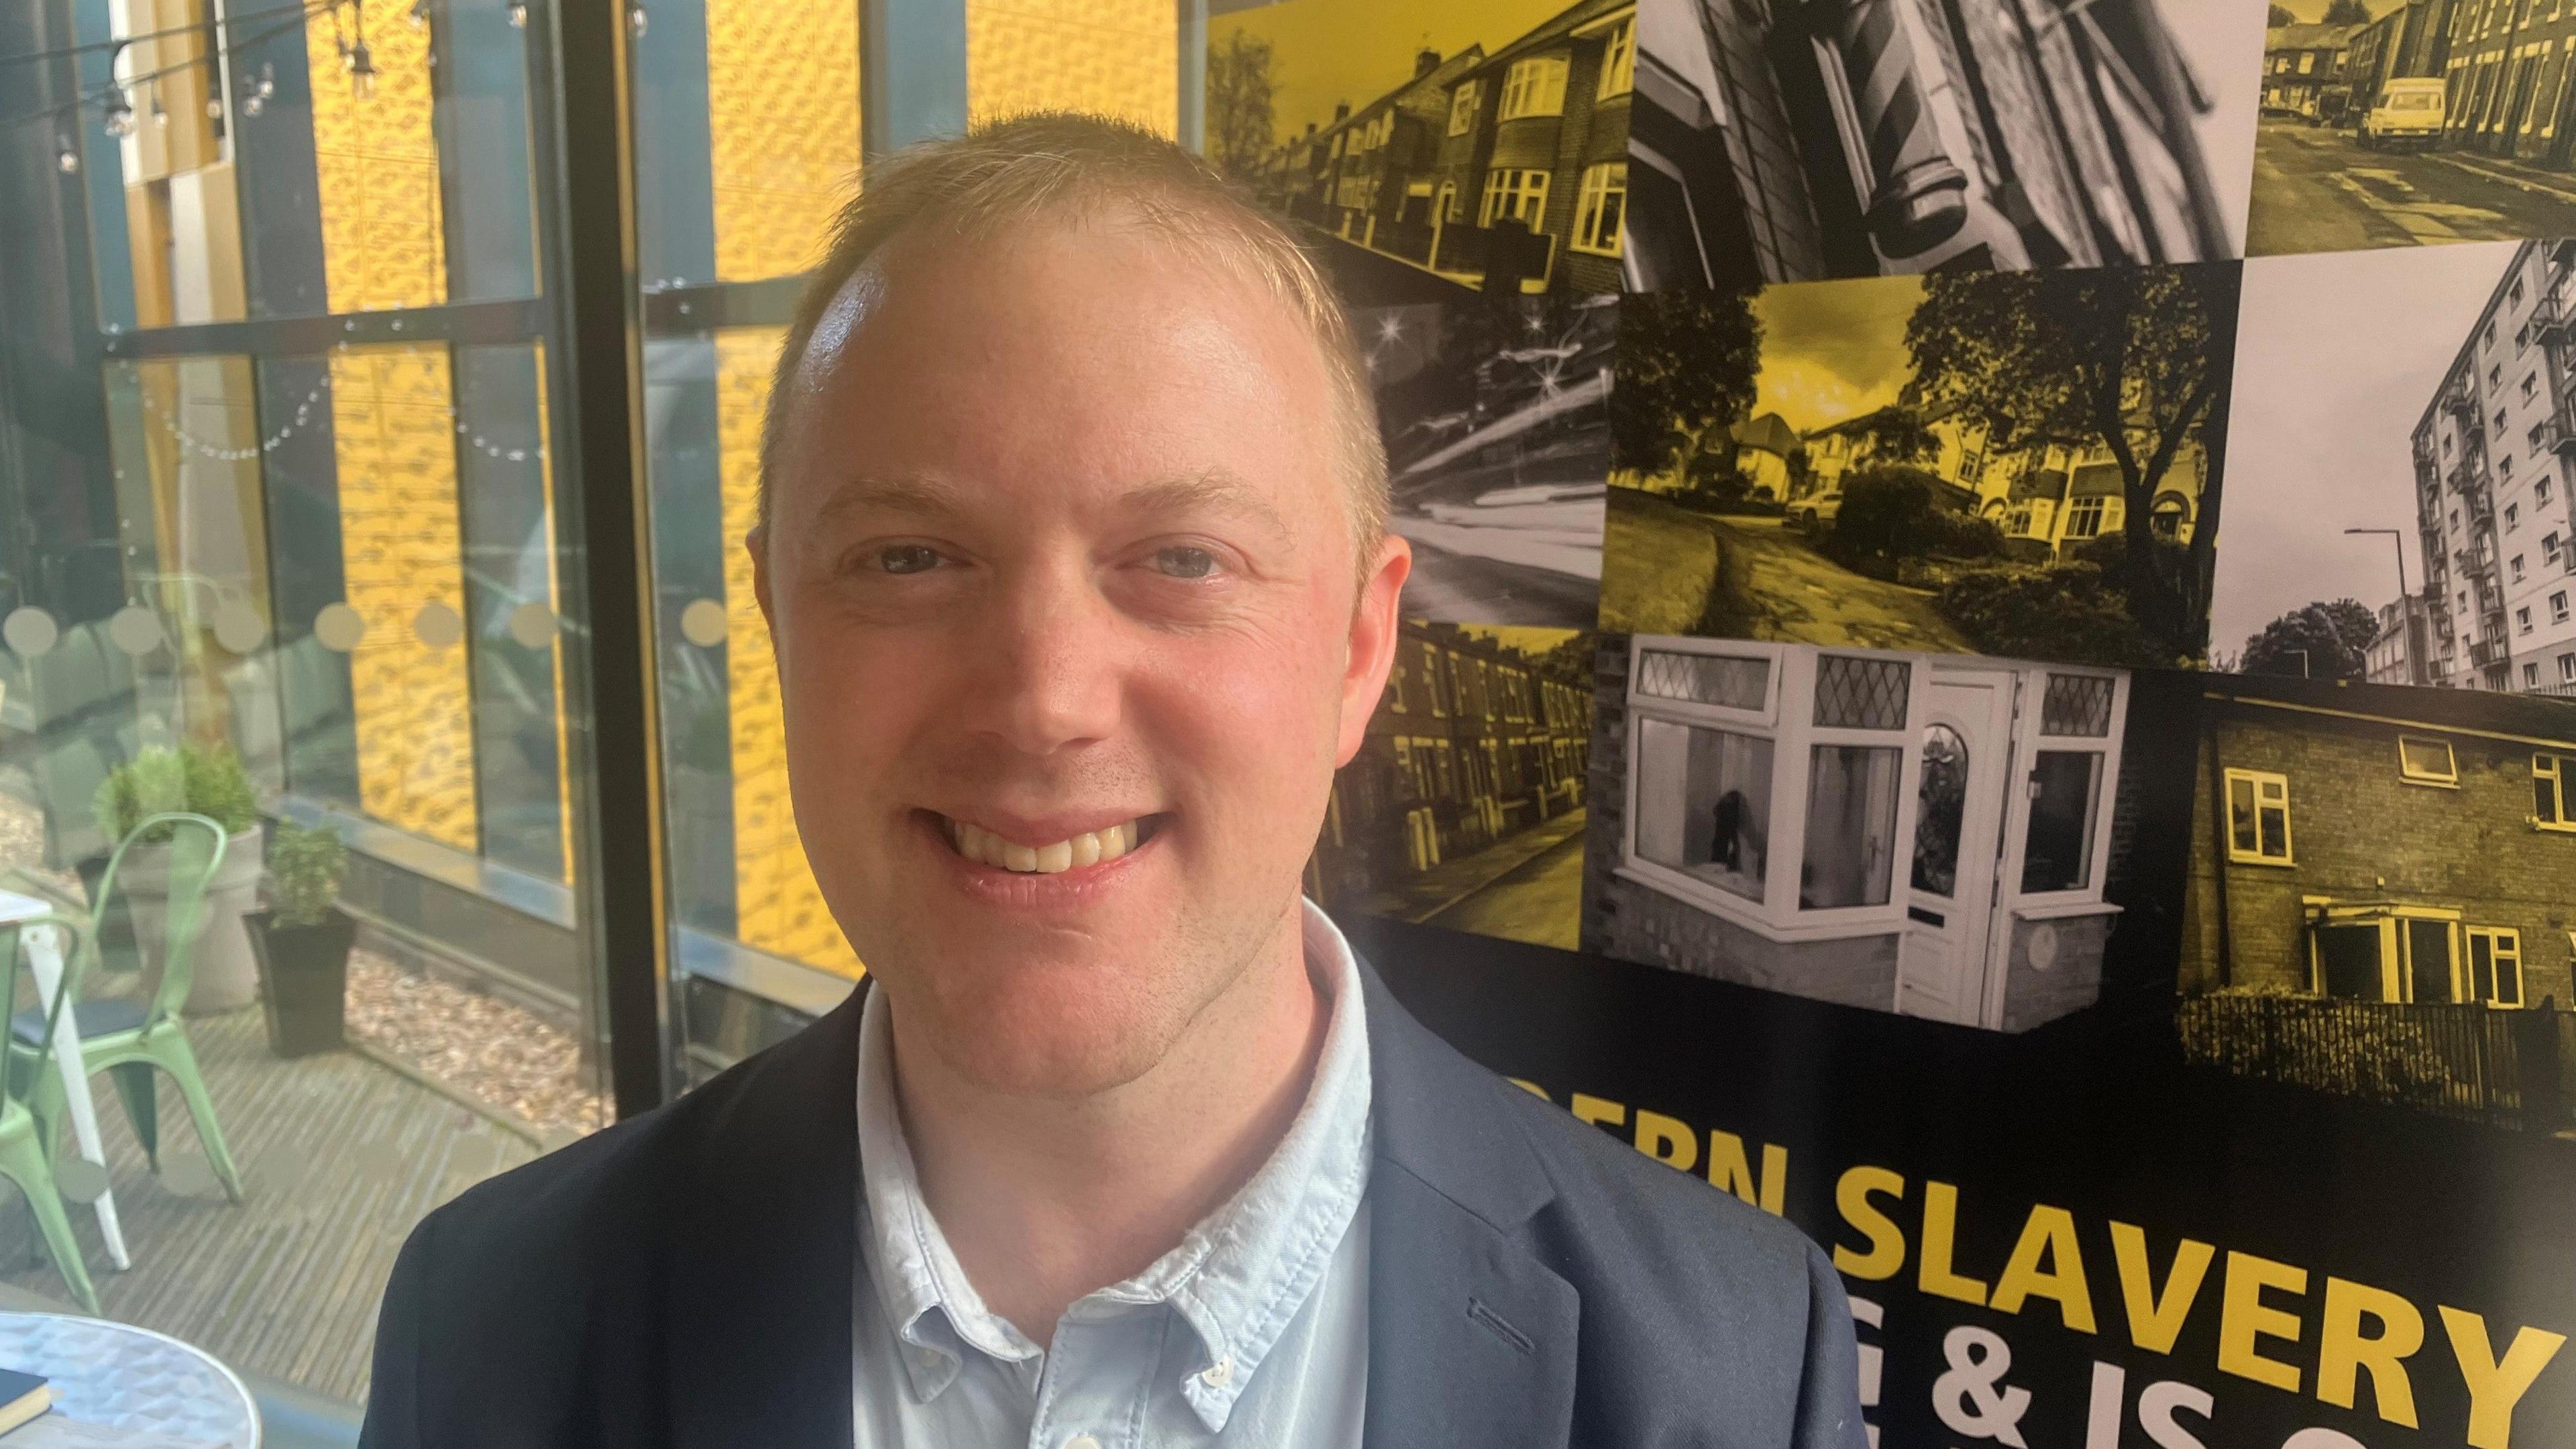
(134, 1038)
(26, 1141)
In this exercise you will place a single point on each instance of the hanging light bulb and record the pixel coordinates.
(419, 14)
(65, 157)
(119, 120)
(254, 103)
(637, 21)
(362, 71)
(267, 79)
(214, 109)
(518, 15)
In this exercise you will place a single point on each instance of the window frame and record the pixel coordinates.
(1533, 85)
(2256, 780)
(2406, 771)
(1465, 103)
(1618, 61)
(2503, 943)
(2396, 960)
(2558, 771)
(2029, 742)
(1519, 190)
(1591, 204)
(1785, 718)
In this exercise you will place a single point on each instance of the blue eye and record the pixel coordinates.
(907, 558)
(1182, 562)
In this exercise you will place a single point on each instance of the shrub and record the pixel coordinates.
(210, 782)
(2353, 1049)
(1950, 534)
(1886, 515)
(305, 867)
(2065, 611)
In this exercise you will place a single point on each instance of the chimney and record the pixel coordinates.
(1425, 61)
(1341, 112)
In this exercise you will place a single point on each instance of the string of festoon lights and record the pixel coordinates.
(303, 419)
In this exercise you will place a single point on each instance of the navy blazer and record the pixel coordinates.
(684, 1279)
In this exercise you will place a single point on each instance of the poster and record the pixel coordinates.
(2063, 783)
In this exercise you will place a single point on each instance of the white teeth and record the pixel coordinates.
(1092, 847)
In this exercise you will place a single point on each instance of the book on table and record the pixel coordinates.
(22, 1397)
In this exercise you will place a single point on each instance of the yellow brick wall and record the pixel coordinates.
(375, 164)
(396, 452)
(783, 123)
(392, 408)
(778, 905)
(1116, 57)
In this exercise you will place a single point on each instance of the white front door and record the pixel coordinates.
(1966, 745)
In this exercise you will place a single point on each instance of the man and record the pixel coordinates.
(1073, 553)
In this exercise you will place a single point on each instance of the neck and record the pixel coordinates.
(1046, 1199)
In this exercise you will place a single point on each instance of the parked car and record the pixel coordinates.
(2409, 112)
(1816, 512)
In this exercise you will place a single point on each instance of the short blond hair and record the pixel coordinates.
(1054, 164)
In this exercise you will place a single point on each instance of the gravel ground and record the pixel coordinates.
(486, 1048)
(477, 1045)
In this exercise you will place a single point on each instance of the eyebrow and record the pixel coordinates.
(1214, 490)
(937, 499)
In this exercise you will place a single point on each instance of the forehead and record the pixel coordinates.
(1087, 347)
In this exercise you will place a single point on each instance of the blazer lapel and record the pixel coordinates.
(1471, 1337)
(762, 1256)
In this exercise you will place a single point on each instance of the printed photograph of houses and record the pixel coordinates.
(1496, 416)
(1927, 834)
(2382, 896)
(1854, 138)
(1464, 808)
(2018, 464)
(2390, 123)
(2408, 519)
(1433, 148)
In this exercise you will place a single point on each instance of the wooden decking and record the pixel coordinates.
(339, 1156)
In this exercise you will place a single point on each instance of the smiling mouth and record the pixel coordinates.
(1091, 847)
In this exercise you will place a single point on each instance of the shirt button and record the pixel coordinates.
(1218, 1374)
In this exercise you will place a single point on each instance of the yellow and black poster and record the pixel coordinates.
(1950, 703)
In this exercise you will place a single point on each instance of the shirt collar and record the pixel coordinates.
(1237, 1279)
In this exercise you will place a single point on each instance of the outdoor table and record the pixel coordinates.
(45, 963)
(129, 1378)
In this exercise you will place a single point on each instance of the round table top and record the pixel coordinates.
(131, 1378)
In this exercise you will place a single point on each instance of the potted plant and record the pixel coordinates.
(209, 782)
(302, 940)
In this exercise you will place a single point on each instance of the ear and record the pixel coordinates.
(1372, 643)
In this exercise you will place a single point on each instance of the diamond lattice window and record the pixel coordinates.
(2076, 704)
(1861, 694)
(1727, 681)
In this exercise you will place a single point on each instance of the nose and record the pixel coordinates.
(1053, 655)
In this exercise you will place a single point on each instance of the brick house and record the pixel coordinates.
(2383, 845)
(1954, 823)
(1474, 741)
(1512, 155)
(2302, 64)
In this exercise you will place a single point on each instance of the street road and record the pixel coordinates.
(1466, 588)
(1539, 901)
(1776, 587)
(2316, 189)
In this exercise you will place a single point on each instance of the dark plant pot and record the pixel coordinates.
(304, 980)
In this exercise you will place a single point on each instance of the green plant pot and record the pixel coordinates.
(303, 980)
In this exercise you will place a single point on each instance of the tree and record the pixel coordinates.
(2347, 12)
(2281, 17)
(2315, 641)
(2134, 360)
(1686, 365)
(1241, 80)
(1898, 434)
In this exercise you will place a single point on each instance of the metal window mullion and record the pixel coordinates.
(597, 370)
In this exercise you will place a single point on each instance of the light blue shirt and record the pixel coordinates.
(1253, 1331)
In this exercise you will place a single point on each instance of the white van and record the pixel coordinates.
(2408, 113)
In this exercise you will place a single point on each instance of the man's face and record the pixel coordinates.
(1060, 580)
